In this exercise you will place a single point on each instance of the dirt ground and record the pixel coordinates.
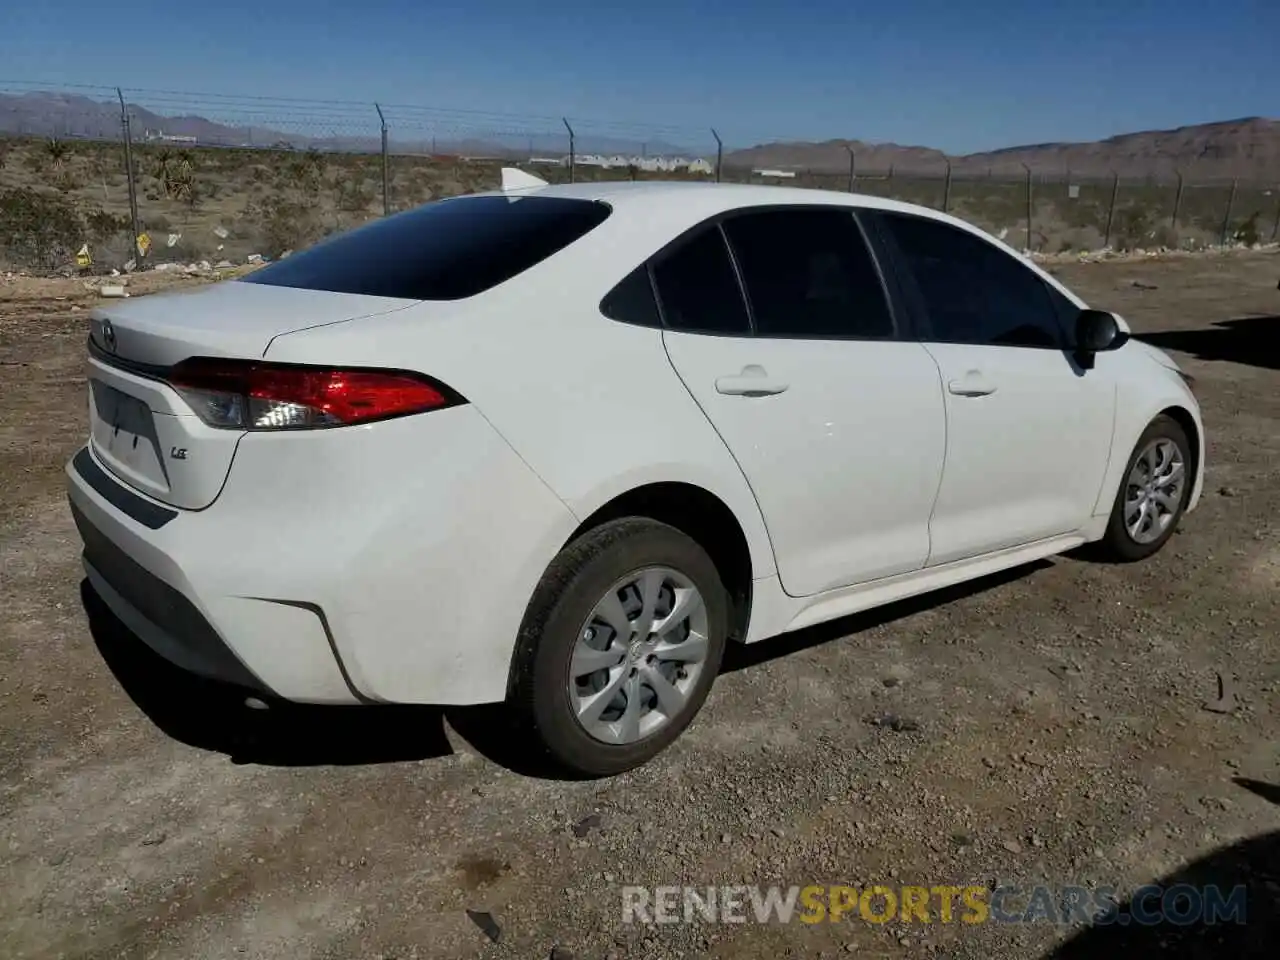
(1052, 728)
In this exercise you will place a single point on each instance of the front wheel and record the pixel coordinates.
(1153, 493)
(620, 645)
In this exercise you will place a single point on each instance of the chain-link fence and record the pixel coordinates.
(101, 177)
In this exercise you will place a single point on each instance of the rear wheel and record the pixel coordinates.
(620, 645)
(1152, 495)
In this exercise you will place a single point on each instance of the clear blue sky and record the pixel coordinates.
(960, 75)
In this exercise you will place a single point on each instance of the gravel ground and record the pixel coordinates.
(1059, 724)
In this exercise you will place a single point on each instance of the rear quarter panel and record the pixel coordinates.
(593, 406)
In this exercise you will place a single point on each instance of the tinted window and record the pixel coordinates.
(445, 250)
(974, 292)
(808, 273)
(1067, 312)
(698, 288)
(631, 301)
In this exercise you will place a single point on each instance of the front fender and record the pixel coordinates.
(1140, 398)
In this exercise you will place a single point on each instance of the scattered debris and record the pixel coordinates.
(1145, 286)
(223, 265)
(254, 258)
(1226, 701)
(586, 825)
(894, 722)
(1062, 671)
(488, 926)
(173, 239)
(155, 840)
(1227, 491)
(561, 953)
(112, 290)
(1013, 846)
(221, 233)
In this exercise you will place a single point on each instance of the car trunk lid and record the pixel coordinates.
(141, 428)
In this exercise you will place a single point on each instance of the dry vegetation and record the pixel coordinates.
(57, 195)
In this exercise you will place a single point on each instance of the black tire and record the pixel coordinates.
(1117, 545)
(576, 580)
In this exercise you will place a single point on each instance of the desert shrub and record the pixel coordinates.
(1247, 233)
(354, 195)
(1132, 228)
(286, 225)
(101, 225)
(38, 230)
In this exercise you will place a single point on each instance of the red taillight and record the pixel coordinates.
(249, 395)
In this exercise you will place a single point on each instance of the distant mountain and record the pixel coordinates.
(1247, 148)
(52, 114)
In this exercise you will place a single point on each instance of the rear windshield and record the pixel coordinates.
(446, 250)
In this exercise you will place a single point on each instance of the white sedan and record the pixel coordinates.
(557, 445)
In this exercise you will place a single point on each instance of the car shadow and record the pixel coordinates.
(1254, 341)
(740, 656)
(1252, 864)
(213, 715)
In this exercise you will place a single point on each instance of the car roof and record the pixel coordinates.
(709, 197)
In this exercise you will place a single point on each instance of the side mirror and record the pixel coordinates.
(1096, 331)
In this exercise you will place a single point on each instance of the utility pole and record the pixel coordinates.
(129, 176)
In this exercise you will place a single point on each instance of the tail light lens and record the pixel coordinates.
(247, 395)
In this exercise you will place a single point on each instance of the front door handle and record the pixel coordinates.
(972, 384)
(753, 381)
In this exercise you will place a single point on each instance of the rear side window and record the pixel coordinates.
(631, 301)
(808, 273)
(973, 291)
(446, 250)
(698, 287)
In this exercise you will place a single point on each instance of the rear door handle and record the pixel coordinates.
(753, 381)
(973, 384)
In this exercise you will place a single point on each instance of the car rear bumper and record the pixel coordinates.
(335, 566)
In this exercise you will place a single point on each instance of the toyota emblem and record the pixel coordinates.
(109, 336)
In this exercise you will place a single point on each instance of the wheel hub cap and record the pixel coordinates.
(1154, 490)
(638, 656)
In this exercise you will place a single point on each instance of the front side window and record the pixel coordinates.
(973, 292)
(698, 288)
(808, 273)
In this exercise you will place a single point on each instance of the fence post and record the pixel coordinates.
(572, 149)
(129, 175)
(853, 167)
(946, 190)
(1111, 210)
(1226, 220)
(386, 168)
(1275, 227)
(1177, 208)
(719, 153)
(1028, 169)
